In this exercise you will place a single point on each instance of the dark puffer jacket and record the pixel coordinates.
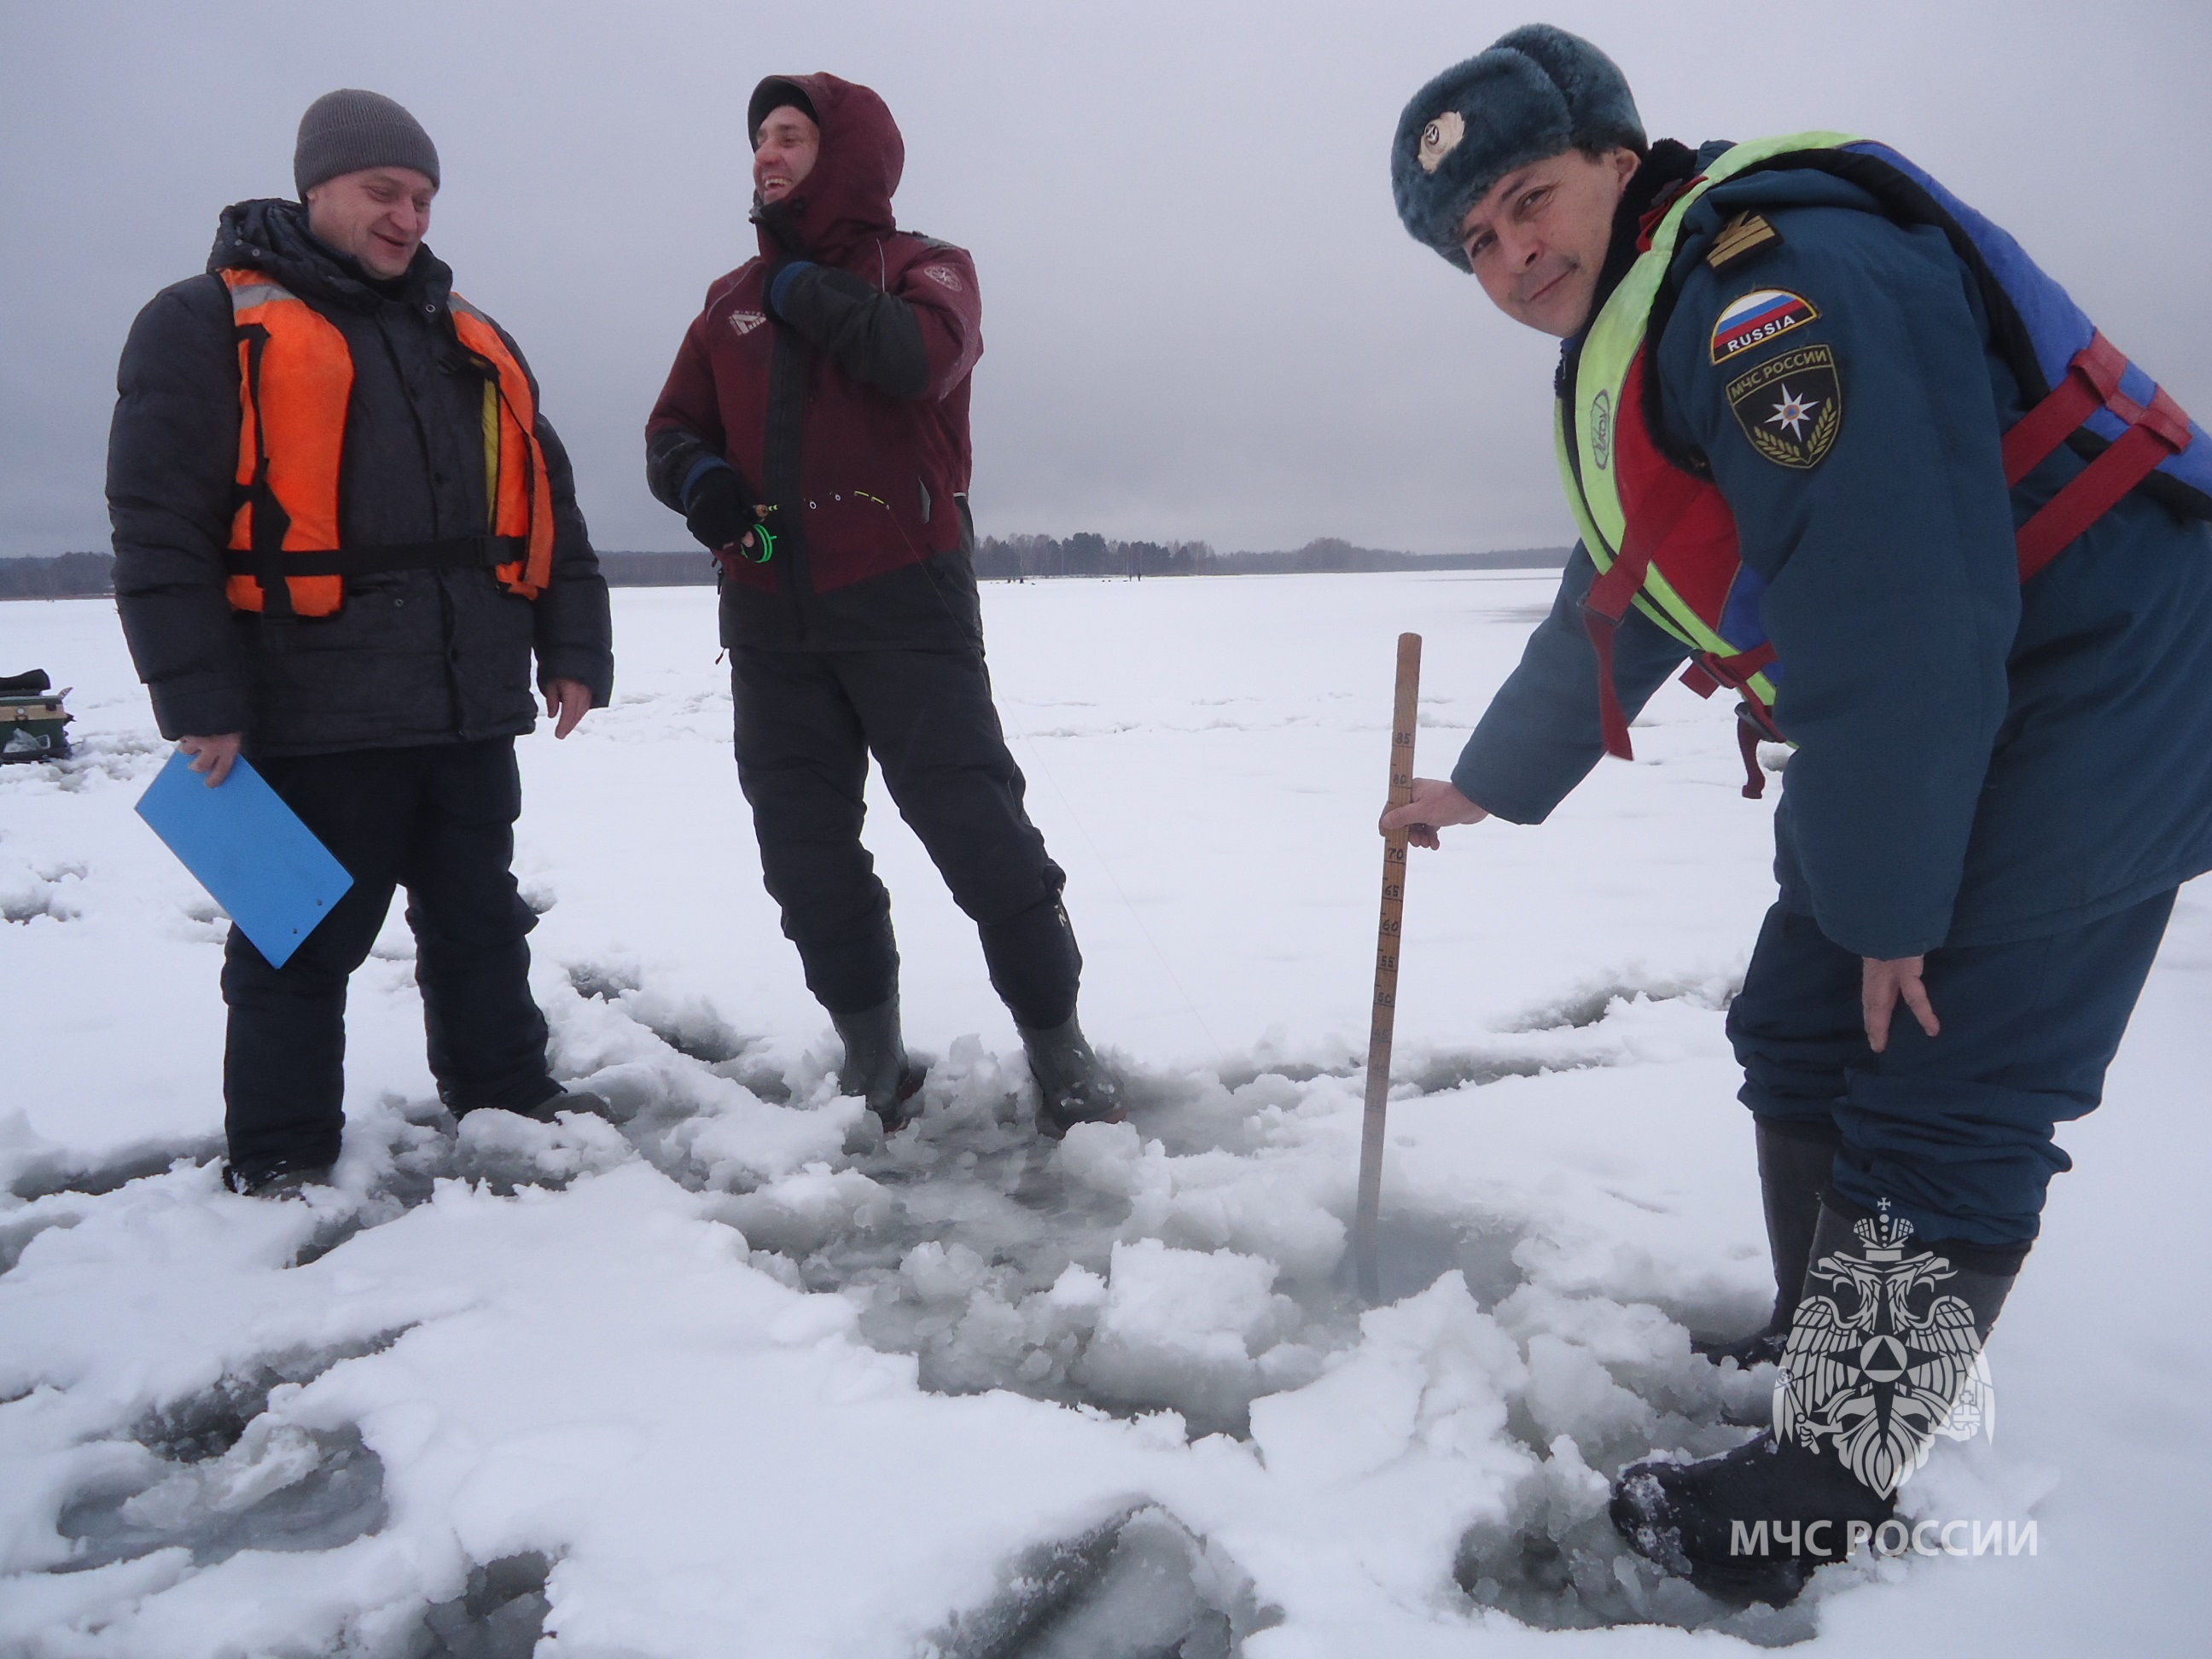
(412, 657)
(832, 374)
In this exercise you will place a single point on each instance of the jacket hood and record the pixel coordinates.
(847, 198)
(271, 234)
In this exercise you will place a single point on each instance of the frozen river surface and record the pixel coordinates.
(736, 1378)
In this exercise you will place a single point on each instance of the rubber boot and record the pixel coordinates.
(876, 1066)
(1863, 1396)
(276, 1180)
(1794, 1162)
(571, 1100)
(1073, 1086)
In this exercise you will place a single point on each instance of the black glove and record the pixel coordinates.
(719, 511)
(779, 283)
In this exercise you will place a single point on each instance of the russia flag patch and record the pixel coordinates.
(1759, 317)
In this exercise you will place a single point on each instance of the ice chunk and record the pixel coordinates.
(1140, 1585)
(508, 1150)
(500, 1613)
(941, 1272)
(1570, 1392)
(804, 1211)
(1180, 1328)
(1433, 1371)
(738, 1138)
(1076, 1287)
(280, 1488)
(1105, 1158)
(268, 1457)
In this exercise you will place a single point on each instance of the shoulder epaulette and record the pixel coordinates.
(1746, 234)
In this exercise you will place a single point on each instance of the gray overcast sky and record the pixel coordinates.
(1202, 319)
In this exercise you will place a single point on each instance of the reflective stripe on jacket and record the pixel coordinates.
(1662, 535)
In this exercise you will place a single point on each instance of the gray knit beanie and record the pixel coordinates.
(346, 130)
(1538, 92)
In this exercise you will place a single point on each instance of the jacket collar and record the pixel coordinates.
(1667, 167)
(269, 234)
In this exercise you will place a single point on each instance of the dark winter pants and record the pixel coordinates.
(439, 821)
(806, 723)
(1953, 1130)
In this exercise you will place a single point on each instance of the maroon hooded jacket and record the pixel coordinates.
(832, 373)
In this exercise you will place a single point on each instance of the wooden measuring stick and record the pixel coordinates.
(1387, 933)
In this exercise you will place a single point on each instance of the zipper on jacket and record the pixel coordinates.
(788, 376)
(440, 580)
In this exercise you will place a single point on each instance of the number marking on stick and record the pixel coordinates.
(1388, 927)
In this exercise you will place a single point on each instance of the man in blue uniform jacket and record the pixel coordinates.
(1999, 774)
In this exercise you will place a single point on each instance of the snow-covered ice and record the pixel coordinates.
(737, 1376)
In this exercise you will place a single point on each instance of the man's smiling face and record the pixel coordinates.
(377, 216)
(1538, 241)
(785, 150)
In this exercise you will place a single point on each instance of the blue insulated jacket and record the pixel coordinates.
(1978, 761)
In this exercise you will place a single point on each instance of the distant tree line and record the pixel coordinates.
(998, 558)
(1018, 558)
(694, 567)
(63, 577)
(1028, 558)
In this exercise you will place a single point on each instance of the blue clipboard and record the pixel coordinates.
(249, 850)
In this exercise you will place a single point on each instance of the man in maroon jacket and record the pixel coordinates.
(814, 434)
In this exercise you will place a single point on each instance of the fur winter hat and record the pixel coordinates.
(1539, 91)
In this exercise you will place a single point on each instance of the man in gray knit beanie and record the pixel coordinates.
(367, 624)
(366, 172)
(350, 129)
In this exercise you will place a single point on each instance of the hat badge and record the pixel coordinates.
(1440, 139)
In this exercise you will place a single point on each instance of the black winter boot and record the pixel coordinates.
(569, 1100)
(1884, 1354)
(1794, 1162)
(876, 1066)
(1073, 1086)
(1749, 1526)
(275, 1181)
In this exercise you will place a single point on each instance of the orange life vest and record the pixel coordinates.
(295, 383)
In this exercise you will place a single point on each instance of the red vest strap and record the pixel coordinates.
(2092, 382)
(1707, 673)
(1611, 721)
(2162, 431)
(1742, 667)
(2092, 379)
(1747, 738)
(1754, 721)
(1603, 606)
(1659, 508)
